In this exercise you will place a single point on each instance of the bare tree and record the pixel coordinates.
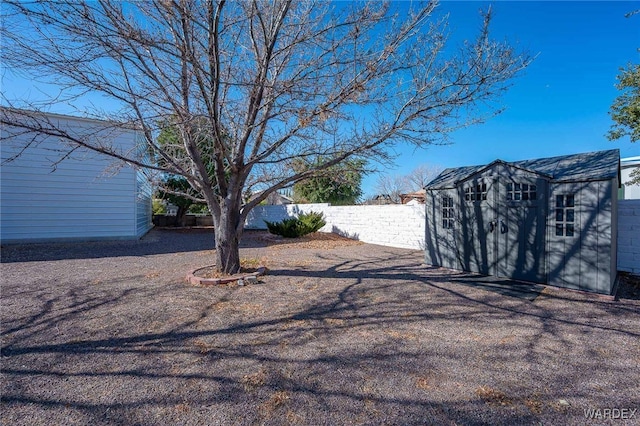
(392, 186)
(422, 175)
(252, 85)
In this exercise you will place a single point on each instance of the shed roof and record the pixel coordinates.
(589, 166)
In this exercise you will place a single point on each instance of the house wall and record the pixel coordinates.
(629, 236)
(629, 191)
(48, 194)
(144, 204)
(144, 191)
(389, 225)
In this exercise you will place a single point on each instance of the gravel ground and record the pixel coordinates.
(336, 333)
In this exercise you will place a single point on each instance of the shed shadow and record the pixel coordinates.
(503, 286)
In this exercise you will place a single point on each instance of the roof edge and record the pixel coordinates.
(506, 163)
(35, 114)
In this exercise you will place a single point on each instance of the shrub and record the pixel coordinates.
(158, 207)
(198, 209)
(312, 221)
(295, 227)
(287, 228)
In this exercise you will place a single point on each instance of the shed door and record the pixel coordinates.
(477, 236)
(503, 230)
(520, 228)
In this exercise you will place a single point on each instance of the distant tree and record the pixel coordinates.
(394, 186)
(625, 110)
(391, 186)
(264, 81)
(338, 185)
(158, 207)
(173, 188)
(422, 175)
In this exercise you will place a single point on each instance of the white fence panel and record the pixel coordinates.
(389, 225)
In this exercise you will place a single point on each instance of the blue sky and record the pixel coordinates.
(560, 104)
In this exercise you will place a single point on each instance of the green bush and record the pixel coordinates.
(198, 209)
(295, 227)
(158, 207)
(288, 228)
(312, 221)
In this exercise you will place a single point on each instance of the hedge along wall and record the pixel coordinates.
(629, 236)
(390, 225)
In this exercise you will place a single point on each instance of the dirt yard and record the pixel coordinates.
(336, 333)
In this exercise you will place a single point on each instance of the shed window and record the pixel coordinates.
(476, 192)
(447, 212)
(565, 215)
(521, 192)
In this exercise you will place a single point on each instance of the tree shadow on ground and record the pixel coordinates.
(369, 338)
(156, 241)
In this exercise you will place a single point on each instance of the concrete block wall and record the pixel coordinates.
(258, 215)
(629, 236)
(390, 225)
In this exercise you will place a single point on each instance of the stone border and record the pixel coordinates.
(242, 279)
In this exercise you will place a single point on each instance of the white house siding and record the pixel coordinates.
(44, 196)
(143, 202)
(629, 191)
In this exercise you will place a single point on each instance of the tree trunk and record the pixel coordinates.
(180, 215)
(227, 239)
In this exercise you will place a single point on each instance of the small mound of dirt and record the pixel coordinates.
(316, 240)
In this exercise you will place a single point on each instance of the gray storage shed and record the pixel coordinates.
(550, 220)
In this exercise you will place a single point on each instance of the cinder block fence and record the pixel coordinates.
(391, 225)
(403, 226)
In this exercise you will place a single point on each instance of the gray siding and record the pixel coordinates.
(494, 235)
(613, 248)
(508, 235)
(584, 261)
(441, 244)
(47, 196)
